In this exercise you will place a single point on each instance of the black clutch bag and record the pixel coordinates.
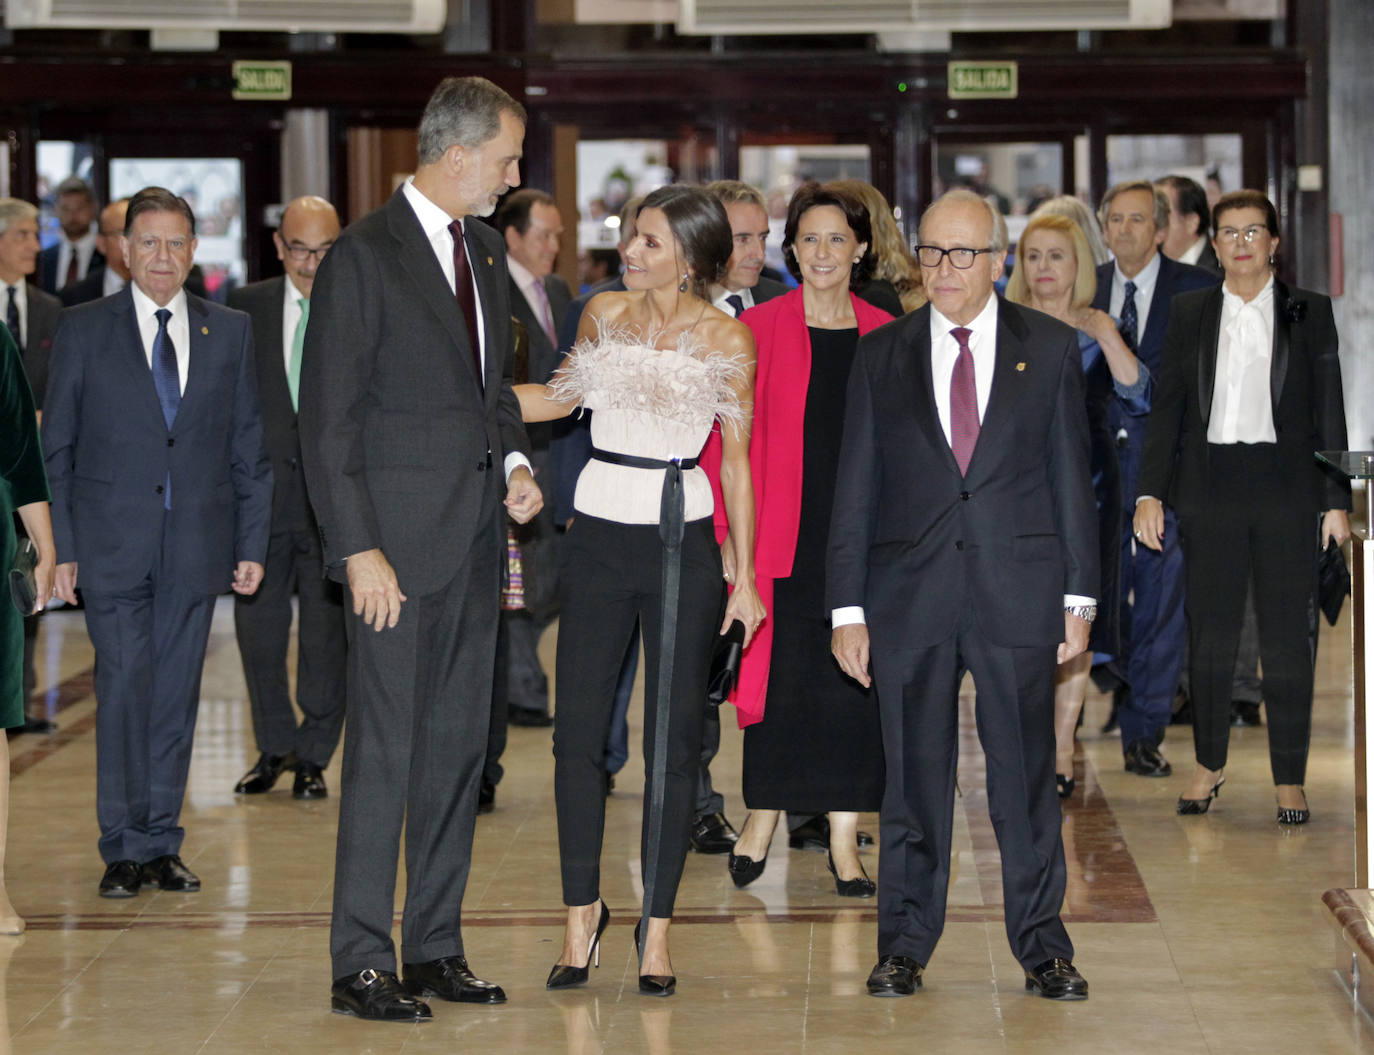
(725, 659)
(23, 586)
(1333, 581)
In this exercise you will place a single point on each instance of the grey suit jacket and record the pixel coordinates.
(109, 451)
(44, 309)
(403, 444)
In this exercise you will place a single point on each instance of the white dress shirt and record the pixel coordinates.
(1242, 407)
(21, 301)
(944, 350)
(719, 294)
(83, 247)
(1193, 253)
(290, 319)
(1144, 294)
(112, 282)
(434, 222)
(526, 280)
(178, 328)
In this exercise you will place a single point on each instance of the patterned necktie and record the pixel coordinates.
(167, 383)
(293, 373)
(963, 402)
(462, 288)
(72, 264)
(545, 312)
(1130, 322)
(736, 303)
(12, 319)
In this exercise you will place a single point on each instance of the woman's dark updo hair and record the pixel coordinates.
(702, 229)
(809, 196)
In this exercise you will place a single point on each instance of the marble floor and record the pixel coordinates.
(1199, 934)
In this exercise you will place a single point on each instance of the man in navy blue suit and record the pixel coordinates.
(162, 496)
(1136, 290)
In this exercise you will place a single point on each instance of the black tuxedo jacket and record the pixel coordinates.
(47, 267)
(1174, 278)
(263, 303)
(109, 451)
(44, 309)
(402, 443)
(1304, 386)
(915, 543)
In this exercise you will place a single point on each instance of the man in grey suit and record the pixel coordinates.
(162, 492)
(407, 417)
(280, 309)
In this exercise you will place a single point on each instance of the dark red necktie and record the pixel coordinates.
(462, 286)
(963, 402)
(71, 268)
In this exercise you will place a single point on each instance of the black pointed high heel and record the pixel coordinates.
(744, 870)
(1295, 816)
(565, 976)
(1188, 807)
(861, 887)
(654, 984)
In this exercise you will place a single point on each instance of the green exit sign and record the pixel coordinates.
(982, 80)
(262, 80)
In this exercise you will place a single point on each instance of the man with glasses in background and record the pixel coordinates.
(280, 308)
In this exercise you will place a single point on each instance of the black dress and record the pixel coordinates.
(819, 746)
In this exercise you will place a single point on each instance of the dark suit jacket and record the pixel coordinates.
(766, 289)
(108, 450)
(917, 545)
(44, 309)
(543, 354)
(395, 427)
(263, 303)
(47, 267)
(1173, 278)
(1305, 387)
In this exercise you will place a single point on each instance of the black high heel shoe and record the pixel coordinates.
(565, 976)
(861, 887)
(655, 984)
(744, 870)
(1295, 816)
(1064, 784)
(1187, 807)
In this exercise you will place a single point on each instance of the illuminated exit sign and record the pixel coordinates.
(982, 80)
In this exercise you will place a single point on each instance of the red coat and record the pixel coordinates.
(775, 462)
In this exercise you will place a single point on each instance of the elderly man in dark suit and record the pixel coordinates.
(162, 492)
(280, 309)
(964, 539)
(408, 426)
(76, 251)
(1136, 289)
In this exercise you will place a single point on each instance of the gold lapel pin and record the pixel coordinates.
(490, 261)
(205, 330)
(1020, 368)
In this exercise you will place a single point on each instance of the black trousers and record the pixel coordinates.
(262, 624)
(419, 696)
(918, 699)
(1251, 533)
(612, 577)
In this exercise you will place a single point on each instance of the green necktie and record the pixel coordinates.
(293, 373)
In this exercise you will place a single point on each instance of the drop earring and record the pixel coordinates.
(682, 286)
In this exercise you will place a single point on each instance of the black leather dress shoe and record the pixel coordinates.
(895, 976)
(1144, 760)
(713, 834)
(169, 873)
(529, 718)
(377, 995)
(121, 879)
(449, 978)
(1057, 980)
(486, 797)
(264, 774)
(1245, 713)
(309, 782)
(38, 725)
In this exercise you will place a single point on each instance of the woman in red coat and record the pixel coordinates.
(812, 742)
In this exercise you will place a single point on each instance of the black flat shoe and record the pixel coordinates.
(1188, 807)
(861, 887)
(895, 976)
(566, 976)
(1057, 980)
(376, 995)
(1064, 784)
(744, 870)
(449, 978)
(654, 984)
(1295, 816)
(121, 879)
(309, 782)
(169, 873)
(264, 773)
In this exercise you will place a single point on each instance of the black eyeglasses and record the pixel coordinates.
(299, 253)
(931, 255)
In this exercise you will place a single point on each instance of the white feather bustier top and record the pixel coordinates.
(653, 403)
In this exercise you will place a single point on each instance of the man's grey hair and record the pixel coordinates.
(734, 192)
(12, 209)
(1161, 200)
(997, 237)
(465, 111)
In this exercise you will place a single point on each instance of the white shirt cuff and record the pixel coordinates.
(1142, 498)
(513, 461)
(1073, 599)
(847, 616)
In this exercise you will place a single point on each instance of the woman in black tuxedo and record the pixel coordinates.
(1250, 388)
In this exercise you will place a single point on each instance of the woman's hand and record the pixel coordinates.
(744, 605)
(1096, 324)
(1335, 525)
(1149, 523)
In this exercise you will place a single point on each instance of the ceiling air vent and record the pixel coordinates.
(227, 16)
(726, 17)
